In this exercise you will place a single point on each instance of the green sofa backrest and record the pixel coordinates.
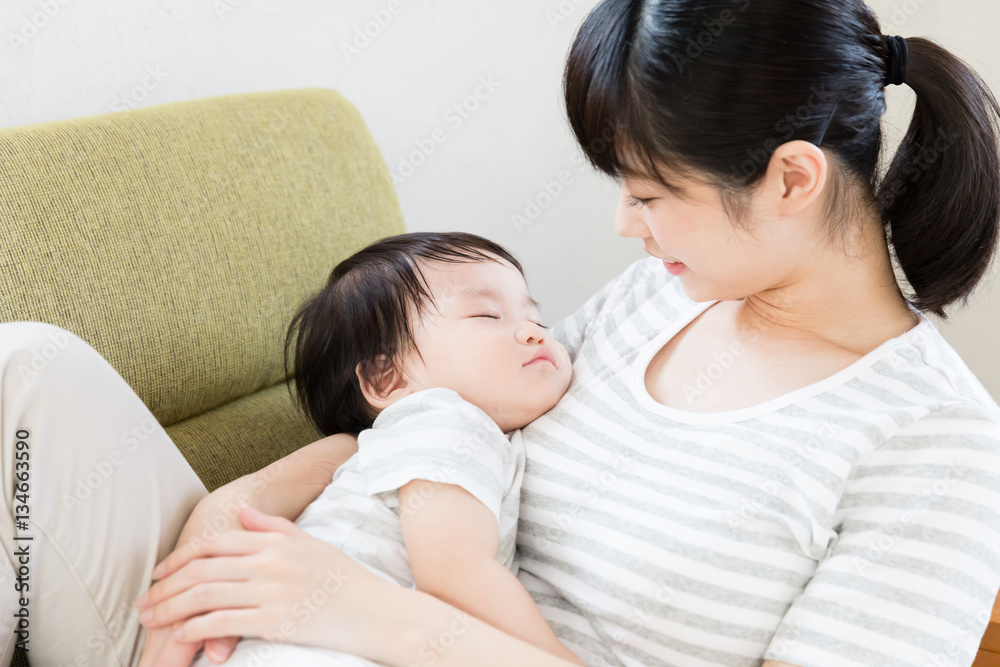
(179, 240)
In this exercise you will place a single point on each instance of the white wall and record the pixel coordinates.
(500, 62)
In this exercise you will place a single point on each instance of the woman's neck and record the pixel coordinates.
(847, 297)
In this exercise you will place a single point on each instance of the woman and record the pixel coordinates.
(768, 452)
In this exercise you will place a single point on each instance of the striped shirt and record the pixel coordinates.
(855, 521)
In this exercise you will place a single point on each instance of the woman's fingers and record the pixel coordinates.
(275, 581)
(229, 543)
(162, 650)
(251, 622)
(219, 650)
(176, 654)
(255, 520)
(221, 568)
(198, 599)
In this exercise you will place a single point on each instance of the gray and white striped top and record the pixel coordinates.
(852, 522)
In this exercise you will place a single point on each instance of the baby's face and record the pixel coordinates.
(480, 338)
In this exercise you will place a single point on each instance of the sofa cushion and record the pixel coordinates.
(179, 240)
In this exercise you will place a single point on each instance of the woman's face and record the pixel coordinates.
(714, 258)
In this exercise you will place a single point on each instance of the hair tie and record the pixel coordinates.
(899, 53)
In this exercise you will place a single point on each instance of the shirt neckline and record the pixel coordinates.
(637, 383)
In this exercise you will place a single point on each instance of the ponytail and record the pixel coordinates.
(715, 86)
(940, 199)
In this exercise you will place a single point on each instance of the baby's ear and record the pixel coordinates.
(384, 386)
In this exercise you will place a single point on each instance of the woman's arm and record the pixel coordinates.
(283, 488)
(452, 540)
(277, 582)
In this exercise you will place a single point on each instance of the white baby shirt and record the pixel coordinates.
(435, 435)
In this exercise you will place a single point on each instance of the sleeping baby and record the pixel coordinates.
(428, 346)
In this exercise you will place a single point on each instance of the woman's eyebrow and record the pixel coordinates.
(491, 293)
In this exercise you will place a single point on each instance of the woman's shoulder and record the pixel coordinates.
(648, 275)
(644, 284)
(644, 290)
(925, 363)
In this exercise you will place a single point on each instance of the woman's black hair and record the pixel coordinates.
(361, 320)
(709, 89)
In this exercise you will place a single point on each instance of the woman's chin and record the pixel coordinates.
(700, 292)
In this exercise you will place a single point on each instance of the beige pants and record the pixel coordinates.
(94, 494)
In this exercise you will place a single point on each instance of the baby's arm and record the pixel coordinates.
(452, 541)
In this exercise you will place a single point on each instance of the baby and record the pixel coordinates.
(429, 348)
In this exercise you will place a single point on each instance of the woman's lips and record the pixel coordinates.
(674, 268)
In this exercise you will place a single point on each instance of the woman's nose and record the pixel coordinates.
(629, 222)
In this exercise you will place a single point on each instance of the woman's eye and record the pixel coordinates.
(636, 201)
(494, 317)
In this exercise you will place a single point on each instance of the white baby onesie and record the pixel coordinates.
(434, 435)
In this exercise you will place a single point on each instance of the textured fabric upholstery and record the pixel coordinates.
(179, 240)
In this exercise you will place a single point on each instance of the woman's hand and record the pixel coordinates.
(276, 582)
(284, 488)
(163, 650)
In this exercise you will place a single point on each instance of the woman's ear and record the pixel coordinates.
(387, 386)
(796, 176)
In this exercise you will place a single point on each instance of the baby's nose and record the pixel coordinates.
(532, 334)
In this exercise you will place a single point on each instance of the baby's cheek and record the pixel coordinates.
(568, 379)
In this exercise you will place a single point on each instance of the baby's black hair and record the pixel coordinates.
(361, 320)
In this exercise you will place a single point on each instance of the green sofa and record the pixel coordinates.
(179, 240)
